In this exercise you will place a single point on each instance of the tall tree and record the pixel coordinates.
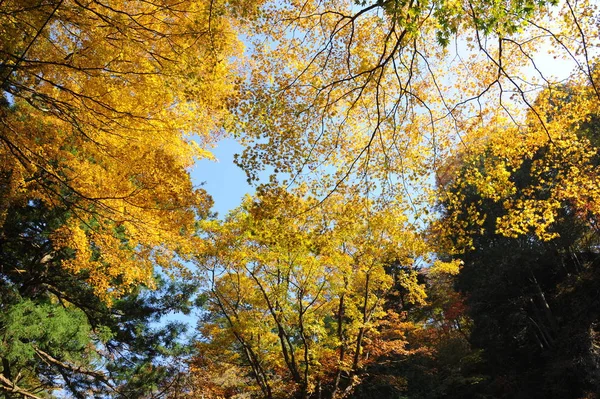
(381, 92)
(56, 333)
(297, 294)
(438, 361)
(104, 107)
(521, 212)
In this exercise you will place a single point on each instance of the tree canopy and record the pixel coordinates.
(104, 106)
(297, 296)
(383, 92)
(425, 215)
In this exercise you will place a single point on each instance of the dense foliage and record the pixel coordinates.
(297, 293)
(425, 217)
(56, 333)
(98, 105)
(531, 254)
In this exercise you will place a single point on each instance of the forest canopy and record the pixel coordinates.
(424, 221)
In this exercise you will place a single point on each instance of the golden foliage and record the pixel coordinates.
(534, 176)
(105, 107)
(298, 290)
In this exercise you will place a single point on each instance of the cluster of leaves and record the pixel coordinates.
(315, 301)
(363, 91)
(104, 105)
(439, 361)
(521, 214)
(517, 315)
(57, 334)
(297, 292)
(98, 104)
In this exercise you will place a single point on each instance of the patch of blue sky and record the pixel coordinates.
(222, 178)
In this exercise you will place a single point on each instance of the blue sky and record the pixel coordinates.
(222, 179)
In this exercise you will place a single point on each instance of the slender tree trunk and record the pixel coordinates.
(340, 335)
(287, 348)
(301, 312)
(544, 336)
(545, 306)
(361, 332)
(257, 370)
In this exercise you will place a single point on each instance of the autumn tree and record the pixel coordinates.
(297, 292)
(380, 93)
(104, 106)
(56, 333)
(439, 360)
(520, 211)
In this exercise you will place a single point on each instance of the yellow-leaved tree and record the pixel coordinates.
(519, 209)
(536, 176)
(382, 92)
(104, 107)
(297, 293)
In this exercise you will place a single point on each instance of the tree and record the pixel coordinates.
(438, 361)
(105, 105)
(374, 93)
(520, 212)
(56, 333)
(297, 294)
